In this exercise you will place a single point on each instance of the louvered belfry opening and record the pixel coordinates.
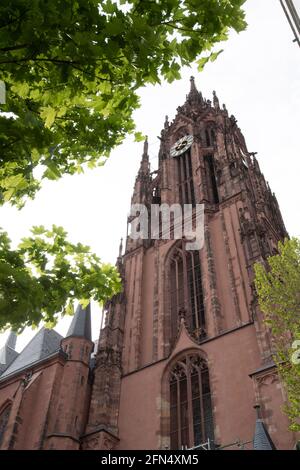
(185, 179)
(187, 292)
(212, 186)
(191, 417)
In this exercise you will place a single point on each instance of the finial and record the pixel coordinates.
(193, 89)
(166, 125)
(257, 409)
(121, 248)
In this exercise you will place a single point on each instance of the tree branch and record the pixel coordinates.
(14, 48)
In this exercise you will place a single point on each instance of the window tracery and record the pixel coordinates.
(191, 417)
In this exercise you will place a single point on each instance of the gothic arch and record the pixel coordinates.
(210, 134)
(5, 410)
(187, 407)
(168, 343)
(183, 294)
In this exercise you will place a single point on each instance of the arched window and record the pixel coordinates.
(191, 418)
(4, 415)
(185, 178)
(212, 187)
(210, 137)
(186, 293)
(207, 137)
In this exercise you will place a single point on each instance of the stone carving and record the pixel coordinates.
(268, 379)
(108, 357)
(101, 440)
(247, 225)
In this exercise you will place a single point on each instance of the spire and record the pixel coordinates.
(7, 352)
(145, 152)
(121, 248)
(81, 323)
(194, 97)
(119, 262)
(145, 166)
(11, 340)
(193, 89)
(262, 439)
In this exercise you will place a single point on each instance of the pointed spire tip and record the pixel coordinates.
(145, 152)
(193, 85)
(81, 322)
(11, 340)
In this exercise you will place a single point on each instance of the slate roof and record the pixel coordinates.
(7, 356)
(262, 439)
(43, 344)
(81, 323)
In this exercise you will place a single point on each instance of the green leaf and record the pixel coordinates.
(48, 114)
(139, 137)
(43, 277)
(202, 62)
(72, 85)
(214, 55)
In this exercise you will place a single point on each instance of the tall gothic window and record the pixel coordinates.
(185, 179)
(191, 417)
(210, 137)
(212, 188)
(187, 292)
(4, 415)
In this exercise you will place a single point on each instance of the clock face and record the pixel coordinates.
(181, 145)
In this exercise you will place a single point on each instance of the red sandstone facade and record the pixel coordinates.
(184, 353)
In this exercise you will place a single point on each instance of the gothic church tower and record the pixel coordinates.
(184, 354)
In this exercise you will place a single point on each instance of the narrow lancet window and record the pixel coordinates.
(211, 182)
(186, 292)
(185, 179)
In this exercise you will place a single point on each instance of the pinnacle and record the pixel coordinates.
(193, 85)
(194, 96)
(145, 152)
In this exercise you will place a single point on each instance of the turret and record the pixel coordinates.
(71, 410)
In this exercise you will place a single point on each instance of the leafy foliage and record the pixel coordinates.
(40, 279)
(278, 289)
(72, 70)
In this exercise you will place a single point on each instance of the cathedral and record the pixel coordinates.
(184, 358)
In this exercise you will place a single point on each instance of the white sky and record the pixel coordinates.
(257, 77)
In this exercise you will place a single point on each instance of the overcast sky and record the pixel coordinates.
(257, 77)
